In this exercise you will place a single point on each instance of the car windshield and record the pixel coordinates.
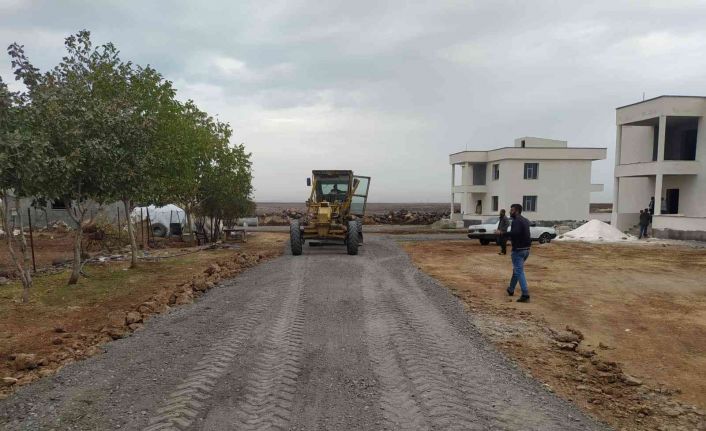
(491, 220)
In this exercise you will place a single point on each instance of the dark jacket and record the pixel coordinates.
(520, 233)
(503, 224)
(644, 219)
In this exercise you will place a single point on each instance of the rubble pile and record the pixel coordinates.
(404, 216)
(398, 217)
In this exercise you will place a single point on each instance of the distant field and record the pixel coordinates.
(373, 208)
(381, 208)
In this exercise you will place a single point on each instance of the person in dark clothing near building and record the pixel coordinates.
(501, 232)
(651, 205)
(521, 242)
(644, 222)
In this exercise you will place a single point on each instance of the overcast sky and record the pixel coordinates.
(389, 89)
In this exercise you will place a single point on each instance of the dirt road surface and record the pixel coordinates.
(324, 341)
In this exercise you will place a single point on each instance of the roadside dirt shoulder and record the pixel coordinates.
(617, 330)
(63, 324)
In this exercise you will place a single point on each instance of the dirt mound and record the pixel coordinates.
(596, 230)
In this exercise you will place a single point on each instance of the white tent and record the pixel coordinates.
(161, 215)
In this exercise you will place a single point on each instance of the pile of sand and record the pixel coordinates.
(596, 230)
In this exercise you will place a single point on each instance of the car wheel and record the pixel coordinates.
(545, 238)
(484, 241)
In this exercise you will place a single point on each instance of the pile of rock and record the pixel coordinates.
(121, 324)
(605, 383)
(404, 216)
(281, 218)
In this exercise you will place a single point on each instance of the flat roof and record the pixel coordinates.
(659, 97)
(530, 148)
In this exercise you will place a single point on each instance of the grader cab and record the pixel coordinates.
(335, 211)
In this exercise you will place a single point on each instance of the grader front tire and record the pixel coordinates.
(352, 239)
(295, 238)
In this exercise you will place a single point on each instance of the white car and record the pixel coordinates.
(485, 232)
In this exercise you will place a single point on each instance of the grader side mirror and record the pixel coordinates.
(308, 182)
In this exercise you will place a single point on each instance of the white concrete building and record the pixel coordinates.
(550, 180)
(661, 153)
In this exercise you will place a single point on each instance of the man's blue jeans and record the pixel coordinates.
(518, 258)
(643, 231)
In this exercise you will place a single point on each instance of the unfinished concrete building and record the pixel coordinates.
(661, 153)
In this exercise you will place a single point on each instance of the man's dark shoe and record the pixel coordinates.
(523, 298)
(509, 292)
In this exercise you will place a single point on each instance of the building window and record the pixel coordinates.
(523, 143)
(529, 203)
(496, 171)
(495, 203)
(531, 171)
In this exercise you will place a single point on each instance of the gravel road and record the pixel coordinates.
(324, 341)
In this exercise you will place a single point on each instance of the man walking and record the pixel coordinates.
(521, 242)
(644, 222)
(501, 232)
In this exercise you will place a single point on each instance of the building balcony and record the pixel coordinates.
(470, 189)
(666, 167)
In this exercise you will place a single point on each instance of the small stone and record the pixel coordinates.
(133, 317)
(59, 329)
(567, 337)
(602, 366)
(45, 373)
(585, 352)
(25, 361)
(8, 381)
(630, 380)
(57, 340)
(116, 319)
(212, 269)
(672, 412)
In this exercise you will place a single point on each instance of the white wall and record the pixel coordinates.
(562, 188)
(636, 145)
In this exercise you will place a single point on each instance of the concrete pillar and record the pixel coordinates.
(658, 194)
(453, 184)
(616, 180)
(661, 137)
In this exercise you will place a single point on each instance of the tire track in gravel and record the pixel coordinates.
(189, 400)
(454, 383)
(270, 390)
(400, 408)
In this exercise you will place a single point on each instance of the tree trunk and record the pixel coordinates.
(78, 218)
(21, 265)
(131, 234)
(188, 224)
(26, 274)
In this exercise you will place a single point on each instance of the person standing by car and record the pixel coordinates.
(501, 232)
(644, 222)
(521, 242)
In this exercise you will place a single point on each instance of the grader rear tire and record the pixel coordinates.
(295, 238)
(352, 239)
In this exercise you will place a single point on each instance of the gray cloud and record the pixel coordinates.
(391, 88)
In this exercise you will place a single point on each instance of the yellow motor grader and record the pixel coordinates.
(335, 211)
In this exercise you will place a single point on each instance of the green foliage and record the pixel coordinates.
(98, 128)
